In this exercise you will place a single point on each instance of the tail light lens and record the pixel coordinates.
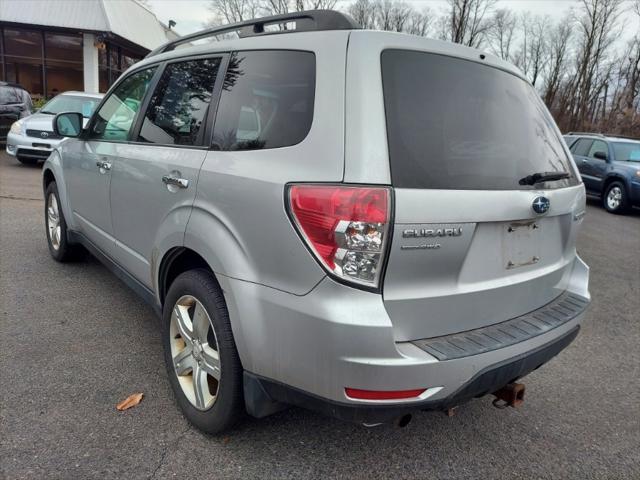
(345, 227)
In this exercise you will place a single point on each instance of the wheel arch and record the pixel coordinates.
(175, 261)
(181, 259)
(614, 177)
(52, 171)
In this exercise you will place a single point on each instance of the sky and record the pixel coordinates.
(191, 14)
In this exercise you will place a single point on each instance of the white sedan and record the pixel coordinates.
(31, 139)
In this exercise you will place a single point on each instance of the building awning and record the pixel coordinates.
(126, 18)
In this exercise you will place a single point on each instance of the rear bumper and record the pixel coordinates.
(336, 337)
(487, 381)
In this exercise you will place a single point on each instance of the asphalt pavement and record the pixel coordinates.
(74, 341)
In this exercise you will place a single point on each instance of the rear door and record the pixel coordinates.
(154, 177)
(469, 248)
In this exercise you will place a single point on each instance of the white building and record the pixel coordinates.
(49, 46)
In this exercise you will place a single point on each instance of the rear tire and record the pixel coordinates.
(56, 227)
(200, 353)
(28, 161)
(615, 199)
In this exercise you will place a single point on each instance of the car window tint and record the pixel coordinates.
(266, 101)
(117, 114)
(456, 124)
(598, 146)
(581, 147)
(178, 107)
(627, 151)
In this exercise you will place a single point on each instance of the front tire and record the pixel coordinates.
(56, 226)
(200, 353)
(615, 199)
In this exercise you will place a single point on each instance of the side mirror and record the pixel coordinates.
(68, 124)
(600, 155)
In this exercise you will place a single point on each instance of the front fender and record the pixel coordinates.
(54, 165)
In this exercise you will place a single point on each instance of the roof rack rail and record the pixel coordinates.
(593, 134)
(626, 137)
(307, 21)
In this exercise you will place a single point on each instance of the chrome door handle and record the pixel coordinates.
(102, 165)
(171, 180)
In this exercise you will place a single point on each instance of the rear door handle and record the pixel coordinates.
(175, 181)
(103, 165)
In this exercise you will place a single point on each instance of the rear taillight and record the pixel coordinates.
(346, 227)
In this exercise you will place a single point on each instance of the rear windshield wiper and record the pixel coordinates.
(543, 177)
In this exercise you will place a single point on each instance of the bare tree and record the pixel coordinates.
(532, 55)
(598, 27)
(232, 11)
(468, 21)
(420, 23)
(501, 33)
(363, 12)
(558, 47)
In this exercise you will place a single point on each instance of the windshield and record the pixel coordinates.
(69, 103)
(460, 125)
(626, 151)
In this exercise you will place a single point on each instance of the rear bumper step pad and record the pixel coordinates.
(493, 337)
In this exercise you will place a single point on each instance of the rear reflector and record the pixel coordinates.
(383, 394)
(345, 227)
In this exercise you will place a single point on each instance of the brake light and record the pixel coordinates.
(345, 227)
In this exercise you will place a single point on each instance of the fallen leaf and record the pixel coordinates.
(130, 401)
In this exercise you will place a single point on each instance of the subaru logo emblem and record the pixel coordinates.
(541, 205)
(44, 134)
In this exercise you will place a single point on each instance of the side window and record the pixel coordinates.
(266, 101)
(598, 146)
(581, 147)
(117, 114)
(178, 107)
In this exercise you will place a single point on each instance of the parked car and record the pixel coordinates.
(610, 168)
(363, 223)
(31, 139)
(15, 103)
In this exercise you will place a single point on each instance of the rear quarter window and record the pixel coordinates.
(267, 100)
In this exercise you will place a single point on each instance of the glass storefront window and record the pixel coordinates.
(63, 63)
(23, 59)
(62, 67)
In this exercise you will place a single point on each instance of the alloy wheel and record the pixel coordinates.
(195, 353)
(614, 198)
(53, 221)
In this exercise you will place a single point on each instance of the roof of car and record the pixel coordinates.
(13, 85)
(603, 136)
(316, 25)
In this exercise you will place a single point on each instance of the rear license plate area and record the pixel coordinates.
(521, 244)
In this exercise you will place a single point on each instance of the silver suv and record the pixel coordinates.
(362, 223)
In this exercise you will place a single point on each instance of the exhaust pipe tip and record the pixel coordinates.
(404, 420)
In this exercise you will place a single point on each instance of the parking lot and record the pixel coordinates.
(76, 341)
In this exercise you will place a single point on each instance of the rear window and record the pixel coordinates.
(266, 101)
(456, 124)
